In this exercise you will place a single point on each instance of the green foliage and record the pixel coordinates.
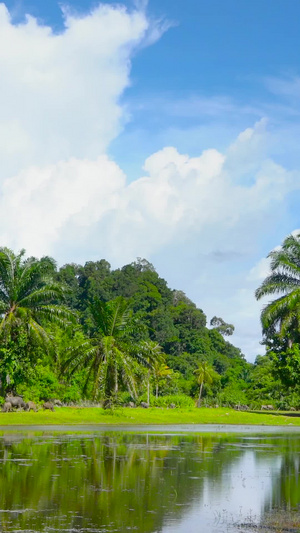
(232, 395)
(29, 296)
(221, 326)
(286, 365)
(125, 397)
(205, 374)
(264, 387)
(166, 401)
(41, 384)
(70, 393)
(15, 361)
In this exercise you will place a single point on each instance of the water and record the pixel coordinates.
(171, 482)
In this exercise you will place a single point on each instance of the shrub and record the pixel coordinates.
(69, 393)
(42, 384)
(231, 396)
(179, 400)
(124, 398)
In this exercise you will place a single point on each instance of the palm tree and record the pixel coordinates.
(151, 354)
(29, 297)
(205, 374)
(161, 372)
(282, 315)
(109, 357)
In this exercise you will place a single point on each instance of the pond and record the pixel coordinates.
(174, 480)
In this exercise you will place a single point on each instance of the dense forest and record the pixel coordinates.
(90, 333)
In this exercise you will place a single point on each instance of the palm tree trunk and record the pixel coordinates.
(148, 389)
(200, 394)
(116, 380)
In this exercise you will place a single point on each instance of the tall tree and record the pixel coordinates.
(161, 373)
(109, 358)
(205, 374)
(28, 295)
(221, 326)
(29, 302)
(282, 315)
(152, 354)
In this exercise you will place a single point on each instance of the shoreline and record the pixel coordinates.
(155, 429)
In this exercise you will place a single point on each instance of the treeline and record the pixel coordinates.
(114, 336)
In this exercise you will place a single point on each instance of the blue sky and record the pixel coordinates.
(168, 131)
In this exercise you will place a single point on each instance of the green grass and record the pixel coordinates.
(127, 416)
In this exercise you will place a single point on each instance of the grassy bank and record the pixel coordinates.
(126, 416)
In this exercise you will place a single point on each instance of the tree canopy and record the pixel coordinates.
(108, 332)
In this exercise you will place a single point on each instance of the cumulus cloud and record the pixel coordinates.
(178, 197)
(202, 195)
(37, 203)
(59, 93)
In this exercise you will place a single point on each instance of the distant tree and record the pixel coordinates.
(221, 326)
(180, 297)
(143, 265)
(151, 353)
(69, 276)
(263, 383)
(204, 374)
(95, 281)
(161, 373)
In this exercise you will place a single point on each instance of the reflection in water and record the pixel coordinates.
(119, 481)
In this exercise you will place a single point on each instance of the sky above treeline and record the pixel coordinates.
(165, 130)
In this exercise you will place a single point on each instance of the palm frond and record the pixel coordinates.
(277, 283)
(111, 318)
(274, 312)
(44, 295)
(78, 356)
(283, 314)
(55, 314)
(38, 333)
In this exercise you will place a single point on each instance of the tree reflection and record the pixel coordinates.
(114, 481)
(286, 482)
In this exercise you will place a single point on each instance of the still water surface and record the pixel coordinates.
(118, 481)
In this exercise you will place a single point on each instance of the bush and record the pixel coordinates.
(179, 400)
(124, 398)
(231, 396)
(69, 393)
(42, 384)
(289, 400)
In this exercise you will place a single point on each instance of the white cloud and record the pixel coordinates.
(260, 271)
(37, 203)
(59, 93)
(179, 197)
(288, 87)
